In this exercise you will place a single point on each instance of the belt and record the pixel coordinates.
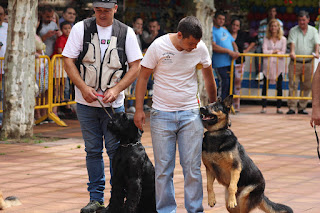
(302, 61)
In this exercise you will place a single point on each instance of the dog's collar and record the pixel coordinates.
(130, 144)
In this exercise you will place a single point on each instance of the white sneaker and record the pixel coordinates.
(131, 109)
(259, 76)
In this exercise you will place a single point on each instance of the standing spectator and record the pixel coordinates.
(154, 33)
(3, 46)
(137, 26)
(315, 117)
(174, 118)
(138, 29)
(271, 14)
(245, 43)
(69, 14)
(303, 40)
(105, 33)
(55, 19)
(273, 67)
(48, 30)
(224, 50)
(42, 72)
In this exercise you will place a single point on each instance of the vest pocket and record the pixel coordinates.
(89, 74)
(114, 60)
(113, 79)
(88, 67)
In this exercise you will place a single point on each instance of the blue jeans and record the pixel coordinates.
(184, 128)
(223, 74)
(93, 122)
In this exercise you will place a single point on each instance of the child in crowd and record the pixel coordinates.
(60, 74)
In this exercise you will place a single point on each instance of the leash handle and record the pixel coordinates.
(104, 107)
(315, 131)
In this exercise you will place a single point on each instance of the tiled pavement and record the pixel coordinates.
(51, 177)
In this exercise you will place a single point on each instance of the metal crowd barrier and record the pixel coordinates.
(253, 88)
(51, 81)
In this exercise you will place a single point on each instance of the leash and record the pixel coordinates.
(104, 107)
(126, 145)
(315, 131)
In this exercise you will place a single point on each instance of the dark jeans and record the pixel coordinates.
(279, 91)
(95, 133)
(223, 74)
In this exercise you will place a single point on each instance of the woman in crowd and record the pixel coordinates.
(245, 43)
(273, 67)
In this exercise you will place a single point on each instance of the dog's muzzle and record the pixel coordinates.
(208, 117)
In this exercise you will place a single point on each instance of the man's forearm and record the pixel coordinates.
(316, 89)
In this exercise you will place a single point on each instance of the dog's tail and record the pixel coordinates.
(268, 206)
(8, 202)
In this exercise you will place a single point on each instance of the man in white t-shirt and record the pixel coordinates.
(174, 117)
(93, 119)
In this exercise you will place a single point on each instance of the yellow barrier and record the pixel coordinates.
(286, 56)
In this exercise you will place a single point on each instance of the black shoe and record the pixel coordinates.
(92, 207)
(290, 112)
(303, 112)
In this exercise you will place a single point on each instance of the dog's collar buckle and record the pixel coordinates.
(130, 144)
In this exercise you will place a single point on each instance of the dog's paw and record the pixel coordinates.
(232, 202)
(211, 200)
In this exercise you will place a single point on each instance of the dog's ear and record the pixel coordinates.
(228, 101)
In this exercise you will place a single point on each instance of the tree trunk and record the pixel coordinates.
(19, 97)
(204, 12)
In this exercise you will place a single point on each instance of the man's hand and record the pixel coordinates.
(292, 55)
(315, 118)
(110, 95)
(234, 55)
(89, 94)
(139, 119)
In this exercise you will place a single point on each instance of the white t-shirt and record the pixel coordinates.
(50, 42)
(175, 78)
(3, 39)
(74, 46)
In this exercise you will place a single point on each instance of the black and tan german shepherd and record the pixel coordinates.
(226, 160)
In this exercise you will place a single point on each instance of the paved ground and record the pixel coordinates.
(51, 177)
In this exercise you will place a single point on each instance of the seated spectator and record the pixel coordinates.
(273, 67)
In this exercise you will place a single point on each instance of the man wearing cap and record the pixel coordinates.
(95, 59)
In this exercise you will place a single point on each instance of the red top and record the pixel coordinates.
(60, 43)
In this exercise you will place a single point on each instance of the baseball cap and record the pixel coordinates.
(104, 3)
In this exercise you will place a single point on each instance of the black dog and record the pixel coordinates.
(226, 160)
(133, 184)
